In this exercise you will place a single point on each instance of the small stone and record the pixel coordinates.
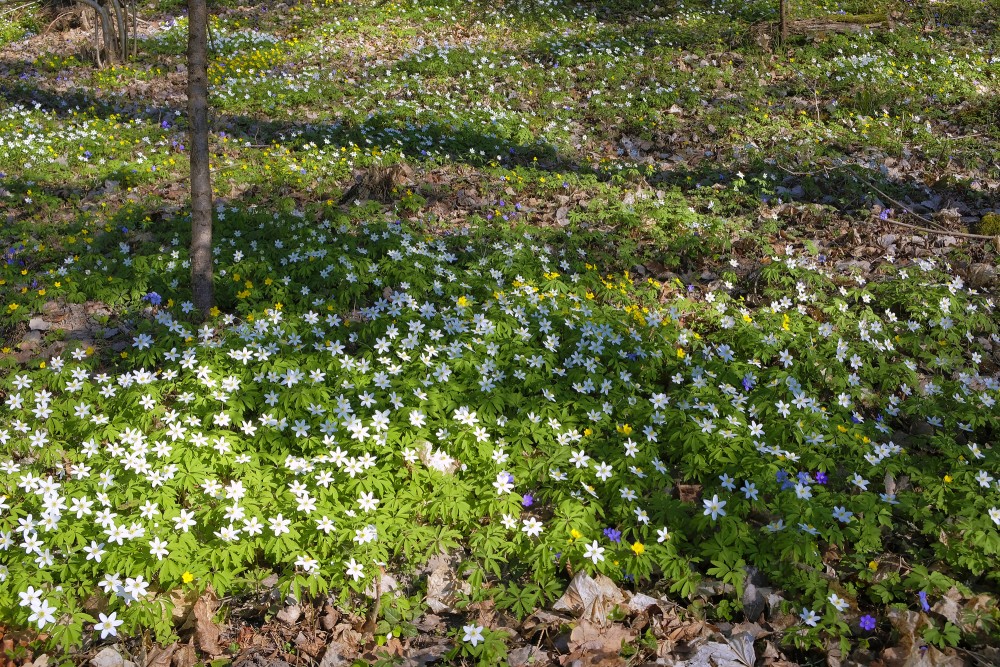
(108, 657)
(290, 614)
(38, 324)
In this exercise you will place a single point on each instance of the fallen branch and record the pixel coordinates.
(819, 25)
(817, 572)
(58, 19)
(904, 207)
(965, 235)
(19, 8)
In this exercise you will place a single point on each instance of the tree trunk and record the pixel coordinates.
(201, 178)
(783, 20)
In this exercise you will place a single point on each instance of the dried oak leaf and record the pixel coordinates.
(206, 632)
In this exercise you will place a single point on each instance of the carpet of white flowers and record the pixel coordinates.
(376, 395)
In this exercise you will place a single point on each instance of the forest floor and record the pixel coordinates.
(547, 332)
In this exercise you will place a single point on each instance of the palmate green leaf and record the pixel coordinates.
(423, 510)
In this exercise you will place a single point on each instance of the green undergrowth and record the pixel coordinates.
(368, 395)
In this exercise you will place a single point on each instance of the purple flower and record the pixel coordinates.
(923, 601)
(821, 478)
(613, 534)
(153, 298)
(867, 622)
(528, 500)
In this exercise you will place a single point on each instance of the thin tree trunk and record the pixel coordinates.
(201, 178)
(783, 20)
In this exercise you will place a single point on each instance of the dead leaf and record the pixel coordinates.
(689, 492)
(562, 215)
(741, 644)
(183, 602)
(526, 656)
(206, 632)
(542, 619)
(592, 645)
(590, 598)
(184, 657)
(715, 654)
(755, 630)
(910, 652)
(687, 632)
(433, 459)
(640, 602)
(443, 585)
(160, 657)
(834, 656)
(950, 606)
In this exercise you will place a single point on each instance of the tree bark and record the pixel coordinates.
(783, 20)
(201, 177)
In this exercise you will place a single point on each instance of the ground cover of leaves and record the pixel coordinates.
(551, 332)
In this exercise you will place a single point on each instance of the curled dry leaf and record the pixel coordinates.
(590, 598)
(161, 656)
